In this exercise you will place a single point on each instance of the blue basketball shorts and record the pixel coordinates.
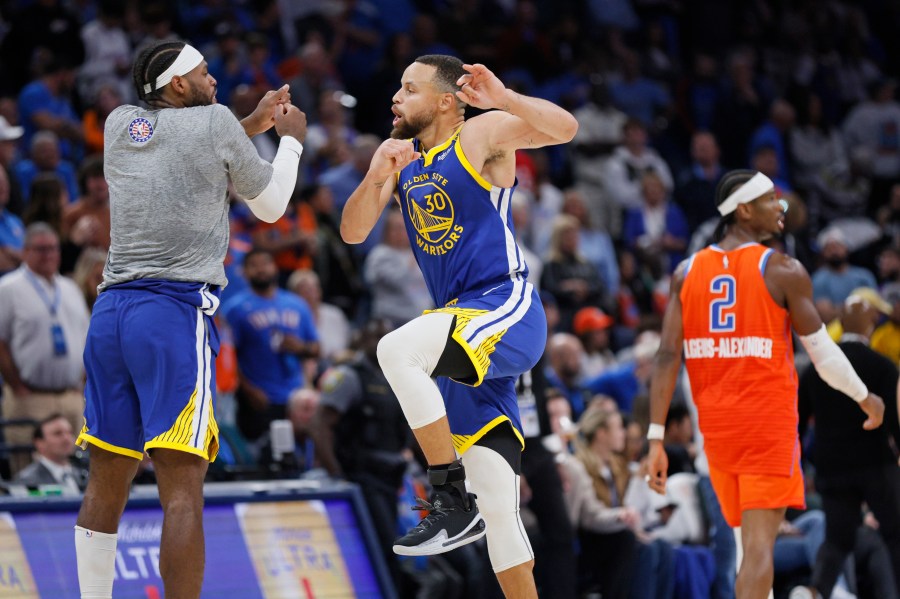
(150, 363)
(503, 330)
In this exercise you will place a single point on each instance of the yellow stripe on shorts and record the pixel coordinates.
(480, 356)
(463, 442)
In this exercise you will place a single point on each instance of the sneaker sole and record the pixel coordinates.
(464, 538)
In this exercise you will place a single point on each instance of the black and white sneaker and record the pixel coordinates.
(447, 526)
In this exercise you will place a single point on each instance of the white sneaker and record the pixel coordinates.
(803, 593)
(841, 593)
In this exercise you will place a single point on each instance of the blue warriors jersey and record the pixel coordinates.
(460, 226)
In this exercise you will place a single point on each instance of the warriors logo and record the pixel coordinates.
(431, 213)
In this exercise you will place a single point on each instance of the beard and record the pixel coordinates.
(261, 283)
(198, 98)
(836, 262)
(411, 126)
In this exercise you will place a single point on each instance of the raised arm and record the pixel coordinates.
(666, 365)
(524, 122)
(791, 286)
(367, 201)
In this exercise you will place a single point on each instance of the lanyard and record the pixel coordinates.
(53, 305)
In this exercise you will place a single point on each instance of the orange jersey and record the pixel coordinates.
(740, 361)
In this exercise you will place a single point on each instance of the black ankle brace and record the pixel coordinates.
(453, 475)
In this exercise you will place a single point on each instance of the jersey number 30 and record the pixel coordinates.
(721, 320)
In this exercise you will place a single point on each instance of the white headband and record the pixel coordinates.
(187, 61)
(749, 191)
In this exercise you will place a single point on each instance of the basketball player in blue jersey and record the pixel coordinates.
(454, 179)
(151, 344)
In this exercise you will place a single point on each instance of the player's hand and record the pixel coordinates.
(290, 120)
(391, 156)
(874, 409)
(481, 88)
(658, 467)
(263, 117)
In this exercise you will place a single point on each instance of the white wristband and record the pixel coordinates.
(656, 432)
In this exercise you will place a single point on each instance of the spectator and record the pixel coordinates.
(335, 262)
(86, 222)
(814, 144)
(637, 96)
(45, 158)
(773, 133)
(343, 178)
(316, 73)
(566, 355)
(594, 243)
(54, 444)
(696, 191)
(592, 326)
(361, 434)
(39, 27)
(888, 266)
(875, 125)
(290, 239)
(765, 160)
(12, 231)
(42, 371)
(547, 204)
(332, 325)
(631, 378)
(9, 136)
(658, 230)
(599, 133)
(48, 199)
(107, 53)
(273, 331)
(397, 286)
(329, 139)
(610, 533)
(88, 273)
(554, 543)
(833, 281)
(628, 165)
(521, 218)
(572, 280)
(45, 104)
(840, 190)
(106, 98)
(742, 104)
(854, 464)
(678, 440)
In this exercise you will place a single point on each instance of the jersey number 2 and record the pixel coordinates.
(720, 320)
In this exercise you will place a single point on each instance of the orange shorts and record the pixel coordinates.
(740, 492)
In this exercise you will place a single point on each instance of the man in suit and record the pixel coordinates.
(54, 444)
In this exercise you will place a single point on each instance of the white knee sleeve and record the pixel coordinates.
(407, 357)
(492, 479)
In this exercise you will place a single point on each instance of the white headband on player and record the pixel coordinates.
(749, 191)
(187, 61)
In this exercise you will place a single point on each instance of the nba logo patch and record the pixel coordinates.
(140, 130)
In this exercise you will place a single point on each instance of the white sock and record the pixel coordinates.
(96, 553)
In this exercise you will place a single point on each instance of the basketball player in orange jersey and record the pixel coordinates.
(730, 312)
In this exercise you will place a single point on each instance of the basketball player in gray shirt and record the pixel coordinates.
(152, 342)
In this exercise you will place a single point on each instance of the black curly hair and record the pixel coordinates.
(730, 182)
(150, 64)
